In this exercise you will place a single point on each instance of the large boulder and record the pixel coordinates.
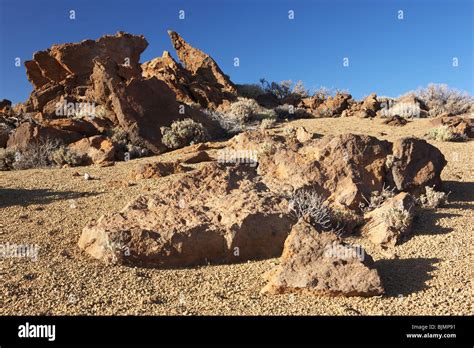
(321, 264)
(415, 164)
(214, 214)
(344, 168)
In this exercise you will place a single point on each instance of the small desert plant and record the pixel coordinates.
(267, 123)
(441, 99)
(377, 198)
(230, 125)
(118, 135)
(183, 133)
(37, 154)
(432, 199)
(290, 132)
(243, 110)
(285, 89)
(398, 218)
(287, 111)
(308, 203)
(62, 155)
(445, 133)
(7, 158)
(324, 112)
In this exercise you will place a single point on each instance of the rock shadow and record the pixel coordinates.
(24, 197)
(405, 276)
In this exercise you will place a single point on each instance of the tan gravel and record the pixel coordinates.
(428, 274)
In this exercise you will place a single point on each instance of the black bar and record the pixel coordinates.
(243, 330)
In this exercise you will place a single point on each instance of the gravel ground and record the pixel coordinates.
(428, 274)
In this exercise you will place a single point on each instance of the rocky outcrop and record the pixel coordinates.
(321, 264)
(344, 168)
(74, 60)
(463, 126)
(333, 106)
(214, 214)
(199, 81)
(105, 75)
(141, 106)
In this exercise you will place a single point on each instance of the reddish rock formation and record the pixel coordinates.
(200, 81)
(415, 164)
(214, 214)
(321, 264)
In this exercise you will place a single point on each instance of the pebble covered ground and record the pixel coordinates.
(428, 274)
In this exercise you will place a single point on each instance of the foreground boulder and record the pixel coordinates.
(320, 264)
(390, 223)
(214, 214)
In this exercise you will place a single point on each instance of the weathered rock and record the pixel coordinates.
(94, 150)
(5, 106)
(214, 214)
(302, 135)
(459, 125)
(371, 103)
(28, 133)
(344, 168)
(380, 226)
(395, 121)
(200, 81)
(61, 61)
(142, 106)
(268, 100)
(201, 64)
(334, 106)
(321, 264)
(415, 164)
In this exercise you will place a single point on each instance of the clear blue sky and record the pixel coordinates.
(386, 55)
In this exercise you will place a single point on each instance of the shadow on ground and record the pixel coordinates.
(23, 197)
(405, 276)
(426, 223)
(460, 191)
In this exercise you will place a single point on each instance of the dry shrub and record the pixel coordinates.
(432, 199)
(441, 99)
(183, 133)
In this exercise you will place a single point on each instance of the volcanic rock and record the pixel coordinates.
(321, 264)
(213, 214)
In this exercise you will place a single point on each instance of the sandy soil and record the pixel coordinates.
(428, 274)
